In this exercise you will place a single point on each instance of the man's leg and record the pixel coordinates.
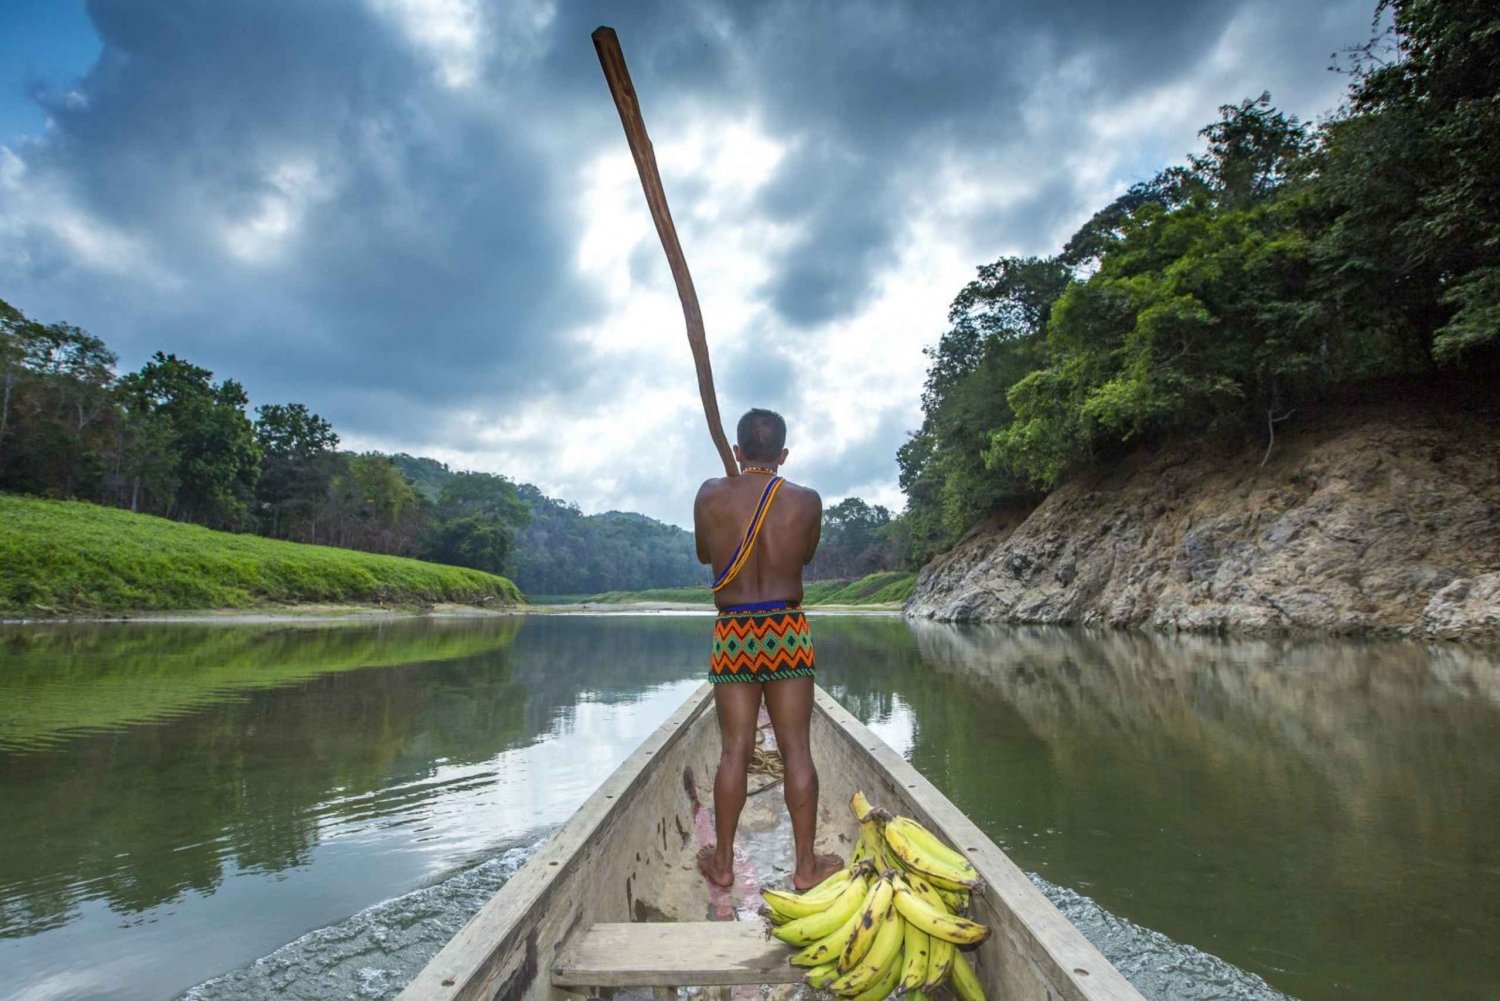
(738, 706)
(790, 703)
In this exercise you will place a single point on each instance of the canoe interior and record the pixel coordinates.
(628, 855)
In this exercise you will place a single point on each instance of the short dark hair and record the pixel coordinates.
(761, 435)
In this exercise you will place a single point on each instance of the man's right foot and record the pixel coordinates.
(823, 866)
(719, 875)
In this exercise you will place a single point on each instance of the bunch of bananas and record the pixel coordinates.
(889, 922)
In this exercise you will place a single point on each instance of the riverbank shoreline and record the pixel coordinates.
(318, 613)
(314, 612)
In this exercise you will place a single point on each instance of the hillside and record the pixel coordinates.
(1370, 518)
(71, 556)
(561, 550)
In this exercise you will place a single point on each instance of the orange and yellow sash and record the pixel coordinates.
(752, 532)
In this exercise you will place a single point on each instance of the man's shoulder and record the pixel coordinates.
(803, 493)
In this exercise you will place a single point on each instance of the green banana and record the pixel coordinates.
(965, 981)
(821, 976)
(883, 986)
(884, 950)
(915, 946)
(917, 994)
(939, 963)
(938, 924)
(806, 931)
(876, 908)
(916, 858)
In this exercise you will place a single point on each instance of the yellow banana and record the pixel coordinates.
(883, 986)
(884, 950)
(919, 860)
(938, 924)
(860, 806)
(830, 947)
(929, 842)
(786, 905)
(806, 931)
(821, 976)
(939, 963)
(874, 913)
(915, 946)
(965, 981)
(931, 894)
(861, 850)
(956, 901)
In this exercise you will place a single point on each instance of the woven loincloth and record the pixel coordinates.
(763, 642)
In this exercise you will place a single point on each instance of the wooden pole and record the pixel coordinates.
(607, 44)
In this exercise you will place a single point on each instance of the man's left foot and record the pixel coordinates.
(708, 863)
(823, 866)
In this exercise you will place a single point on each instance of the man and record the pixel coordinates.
(758, 531)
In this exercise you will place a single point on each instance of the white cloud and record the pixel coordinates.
(38, 216)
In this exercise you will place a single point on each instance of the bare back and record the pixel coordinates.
(786, 543)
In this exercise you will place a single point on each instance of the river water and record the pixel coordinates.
(309, 810)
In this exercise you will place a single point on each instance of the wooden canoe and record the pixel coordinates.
(601, 904)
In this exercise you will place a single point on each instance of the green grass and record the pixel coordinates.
(70, 556)
(889, 588)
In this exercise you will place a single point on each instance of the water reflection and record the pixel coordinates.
(211, 836)
(1323, 813)
(183, 799)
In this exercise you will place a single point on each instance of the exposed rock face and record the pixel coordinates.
(1367, 519)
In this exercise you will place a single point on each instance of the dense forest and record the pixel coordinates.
(169, 440)
(1280, 266)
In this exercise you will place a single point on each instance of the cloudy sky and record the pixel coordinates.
(420, 217)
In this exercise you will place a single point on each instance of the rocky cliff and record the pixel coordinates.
(1368, 518)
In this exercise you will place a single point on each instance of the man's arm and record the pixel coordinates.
(700, 523)
(816, 533)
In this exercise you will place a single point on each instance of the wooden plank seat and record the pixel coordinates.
(674, 954)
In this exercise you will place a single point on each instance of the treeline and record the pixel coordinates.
(169, 440)
(560, 550)
(1222, 295)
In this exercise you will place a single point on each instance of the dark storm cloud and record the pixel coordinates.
(430, 257)
(428, 267)
(865, 91)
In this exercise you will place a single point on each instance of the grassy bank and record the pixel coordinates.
(889, 588)
(70, 556)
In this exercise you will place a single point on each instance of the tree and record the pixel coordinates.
(856, 540)
(1410, 178)
(56, 406)
(297, 466)
(217, 458)
(373, 507)
(478, 515)
(994, 339)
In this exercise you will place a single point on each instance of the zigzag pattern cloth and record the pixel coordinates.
(761, 644)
